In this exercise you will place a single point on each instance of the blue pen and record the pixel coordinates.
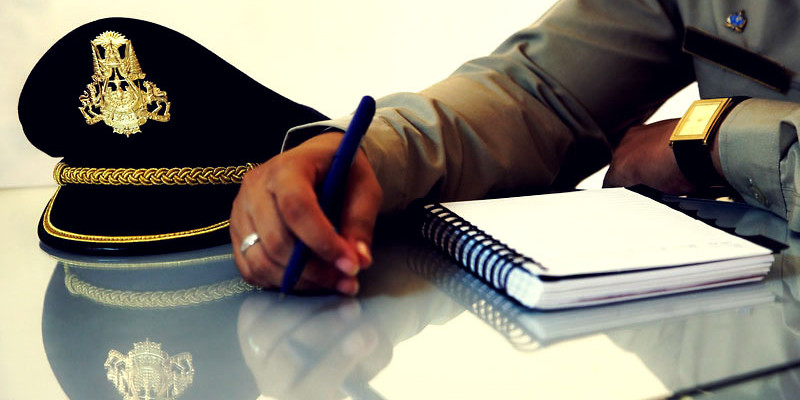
(330, 197)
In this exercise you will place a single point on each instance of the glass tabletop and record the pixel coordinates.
(185, 325)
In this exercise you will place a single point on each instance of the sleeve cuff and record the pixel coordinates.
(382, 143)
(300, 134)
(750, 152)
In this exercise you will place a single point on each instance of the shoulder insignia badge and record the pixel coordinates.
(736, 21)
(147, 372)
(118, 94)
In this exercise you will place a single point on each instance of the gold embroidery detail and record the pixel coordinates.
(155, 299)
(60, 233)
(147, 372)
(64, 174)
(118, 95)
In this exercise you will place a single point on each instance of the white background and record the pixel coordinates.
(325, 54)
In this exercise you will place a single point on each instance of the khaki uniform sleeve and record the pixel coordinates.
(760, 156)
(540, 113)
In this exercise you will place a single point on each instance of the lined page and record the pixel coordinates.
(602, 230)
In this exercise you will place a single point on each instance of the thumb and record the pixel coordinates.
(362, 201)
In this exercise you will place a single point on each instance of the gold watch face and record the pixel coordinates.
(698, 121)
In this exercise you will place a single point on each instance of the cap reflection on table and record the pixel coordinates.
(162, 327)
(218, 337)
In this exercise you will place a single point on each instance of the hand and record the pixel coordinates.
(644, 157)
(278, 201)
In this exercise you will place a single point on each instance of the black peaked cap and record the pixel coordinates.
(155, 132)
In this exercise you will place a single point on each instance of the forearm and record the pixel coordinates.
(467, 137)
(449, 142)
(537, 114)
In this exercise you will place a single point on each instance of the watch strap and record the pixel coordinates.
(694, 156)
(694, 161)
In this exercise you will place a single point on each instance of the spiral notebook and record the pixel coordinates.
(589, 247)
(528, 330)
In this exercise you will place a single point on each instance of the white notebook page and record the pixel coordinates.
(601, 230)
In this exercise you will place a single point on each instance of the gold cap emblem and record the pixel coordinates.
(118, 94)
(147, 372)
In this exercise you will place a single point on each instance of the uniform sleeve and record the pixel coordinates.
(540, 113)
(760, 156)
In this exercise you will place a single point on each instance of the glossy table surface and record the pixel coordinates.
(184, 326)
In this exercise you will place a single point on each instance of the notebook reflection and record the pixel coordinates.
(692, 342)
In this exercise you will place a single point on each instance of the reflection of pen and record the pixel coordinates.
(330, 198)
(360, 390)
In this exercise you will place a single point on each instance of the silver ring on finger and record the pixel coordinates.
(248, 242)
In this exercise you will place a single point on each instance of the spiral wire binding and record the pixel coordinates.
(483, 255)
(489, 305)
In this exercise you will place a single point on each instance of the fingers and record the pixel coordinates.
(254, 210)
(255, 264)
(362, 203)
(277, 201)
(297, 205)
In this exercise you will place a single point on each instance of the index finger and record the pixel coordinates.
(298, 206)
(363, 200)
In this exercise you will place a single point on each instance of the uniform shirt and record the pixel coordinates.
(547, 107)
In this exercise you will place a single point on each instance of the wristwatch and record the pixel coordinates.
(691, 140)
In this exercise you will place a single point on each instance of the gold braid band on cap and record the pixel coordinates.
(64, 175)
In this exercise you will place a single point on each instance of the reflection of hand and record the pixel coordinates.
(309, 348)
(277, 200)
(644, 157)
